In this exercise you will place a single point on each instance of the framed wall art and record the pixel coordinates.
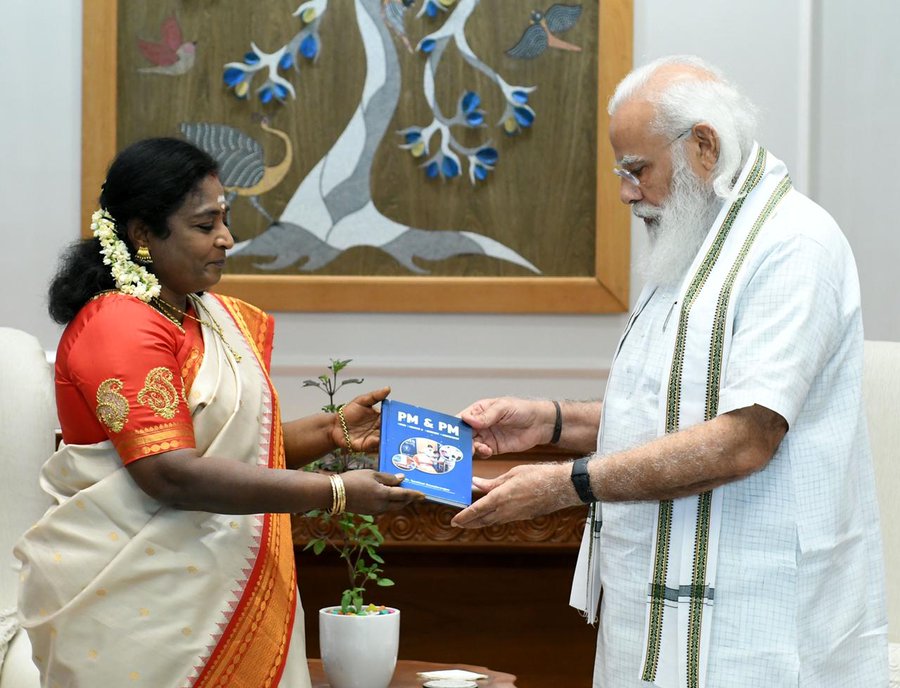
(383, 155)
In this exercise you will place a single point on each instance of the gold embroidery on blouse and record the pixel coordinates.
(159, 393)
(112, 407)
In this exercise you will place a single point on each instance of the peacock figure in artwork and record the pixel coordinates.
(241, 159)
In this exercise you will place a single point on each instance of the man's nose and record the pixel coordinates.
(629, 193)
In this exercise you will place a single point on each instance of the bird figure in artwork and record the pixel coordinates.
(172, 55)
(542, 32)
(242, 167)
(393, 12)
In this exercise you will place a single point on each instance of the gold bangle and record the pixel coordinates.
(334, 497)
(338, 495)
(343, 420)
(342, 494)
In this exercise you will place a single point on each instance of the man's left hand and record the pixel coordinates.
(524, 492)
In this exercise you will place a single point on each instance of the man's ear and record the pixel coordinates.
(138, 233)
(707, 151)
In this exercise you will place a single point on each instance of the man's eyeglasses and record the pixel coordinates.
(630, 177)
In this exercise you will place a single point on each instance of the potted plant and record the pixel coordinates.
(358, 642)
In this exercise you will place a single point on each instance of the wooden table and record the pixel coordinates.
(405, 674)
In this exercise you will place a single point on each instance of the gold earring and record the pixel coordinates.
(143, 255)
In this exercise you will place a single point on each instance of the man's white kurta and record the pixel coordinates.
(799, 597)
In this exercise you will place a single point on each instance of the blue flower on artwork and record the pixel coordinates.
(238, 79)
(309, 47)
(286, 61)
(270, 91)
(233, 76)
(431, 9)
(481, 163)
(413, 141)
(441, 165)
(450, 168)
(427, 45)
(520, 97)
(488, 156)
(251, 58)
(516, 118)
(468, 106)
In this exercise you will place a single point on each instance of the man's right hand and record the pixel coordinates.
(508, 424)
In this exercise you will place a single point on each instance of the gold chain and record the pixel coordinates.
(173, 313)
(340, 413)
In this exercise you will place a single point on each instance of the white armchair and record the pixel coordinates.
(881, 387)
(27, 438)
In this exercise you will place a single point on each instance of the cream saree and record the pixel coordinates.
(119, 590)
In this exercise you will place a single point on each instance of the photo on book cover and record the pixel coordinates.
(434, 449)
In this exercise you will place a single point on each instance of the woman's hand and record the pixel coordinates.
(370, 492)
(363, 422)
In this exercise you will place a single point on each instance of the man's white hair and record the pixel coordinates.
(694, 98)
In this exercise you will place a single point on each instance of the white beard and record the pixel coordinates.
(678, 227)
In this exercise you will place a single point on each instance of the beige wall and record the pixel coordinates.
(810, 66)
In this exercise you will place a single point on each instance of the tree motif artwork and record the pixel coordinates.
(332, 210)
(450, 145)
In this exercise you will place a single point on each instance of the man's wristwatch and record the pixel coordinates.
(582, 480)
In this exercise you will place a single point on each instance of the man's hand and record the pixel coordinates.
(507, 424)
(522, 493)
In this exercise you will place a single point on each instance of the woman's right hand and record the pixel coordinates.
(371, 492)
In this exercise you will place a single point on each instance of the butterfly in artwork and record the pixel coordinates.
(541, 34)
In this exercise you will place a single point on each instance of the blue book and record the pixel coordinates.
(433, 450)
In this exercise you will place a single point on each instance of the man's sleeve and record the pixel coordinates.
(788, 322)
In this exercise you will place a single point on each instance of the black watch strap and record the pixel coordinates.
(582, 481)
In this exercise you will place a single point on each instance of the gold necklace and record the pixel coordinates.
(173, 312)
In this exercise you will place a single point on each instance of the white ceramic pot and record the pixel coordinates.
(359, 651)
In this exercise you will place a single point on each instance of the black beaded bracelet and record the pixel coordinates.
(557, 427)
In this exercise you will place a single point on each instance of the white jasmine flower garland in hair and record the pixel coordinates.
(130, 278)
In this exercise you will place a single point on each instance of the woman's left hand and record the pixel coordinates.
(363, 422)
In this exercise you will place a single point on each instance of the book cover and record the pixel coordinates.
(433, 450)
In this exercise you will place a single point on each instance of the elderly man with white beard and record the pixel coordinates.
(733, 537)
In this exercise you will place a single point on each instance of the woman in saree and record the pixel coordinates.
(167, 559)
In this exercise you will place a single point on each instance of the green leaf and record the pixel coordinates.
(338, 366)
(318, 547)
(385, 582)
(375, 556)
(352, 381)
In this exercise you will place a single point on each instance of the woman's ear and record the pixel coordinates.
(138, 233)
(707, 145)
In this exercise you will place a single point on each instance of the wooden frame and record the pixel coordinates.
(604, 292)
